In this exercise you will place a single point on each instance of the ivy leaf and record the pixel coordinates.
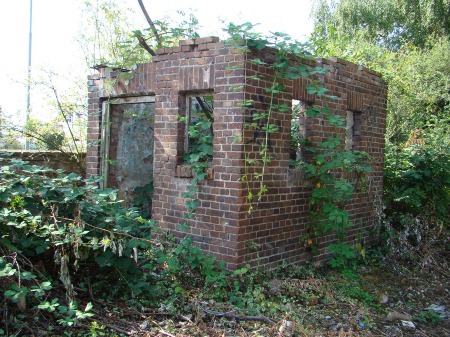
(7, 270)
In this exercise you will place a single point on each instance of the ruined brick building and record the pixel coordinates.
(136, 137)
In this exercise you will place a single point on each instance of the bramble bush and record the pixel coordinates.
(58, 231)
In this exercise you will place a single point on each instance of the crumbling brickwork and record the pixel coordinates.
(222, 224)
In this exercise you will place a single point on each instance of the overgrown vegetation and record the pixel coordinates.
(74, 261)
(411, 53)
(72, 256)
(57, 230)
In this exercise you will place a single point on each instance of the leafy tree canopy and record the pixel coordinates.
(390, 23)
(417, 73)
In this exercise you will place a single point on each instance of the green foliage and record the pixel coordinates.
(48, 216)
(428, 316)
(61, 222)
(389, 23)
(413, 60)
(38, 292)
(417, 183)
(331, 193)
(48, 136)
(250, 290)
(10, 139)
(354, 289)
(111, 38)
(107, 26)
(417, 76)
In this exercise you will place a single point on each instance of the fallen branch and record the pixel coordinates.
(166, 333)
(232, 315)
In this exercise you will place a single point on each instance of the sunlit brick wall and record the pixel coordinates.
(222, 224)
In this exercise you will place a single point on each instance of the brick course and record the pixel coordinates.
(221, 224)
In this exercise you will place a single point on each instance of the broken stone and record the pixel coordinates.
(340, 327)
(144, 325)
(383, 299)
(285, 328)
(396, 316)
(330, 323)
(392, 329)
(188, 317)
(408, 324)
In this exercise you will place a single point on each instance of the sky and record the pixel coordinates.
(56, 23)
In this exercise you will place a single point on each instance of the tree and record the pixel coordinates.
(389, 23)
(107, 33)
(408, 42)
(417, 75)
(113, 34)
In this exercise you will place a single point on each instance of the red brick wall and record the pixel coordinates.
(282, 216)
(221, 224)
(200, 66)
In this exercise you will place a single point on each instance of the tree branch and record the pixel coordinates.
(206, 109)
(150, 22)
(61, 110)
(144, 45)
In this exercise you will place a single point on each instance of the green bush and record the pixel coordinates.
(417, 179)
(417, 196)
(57, 229)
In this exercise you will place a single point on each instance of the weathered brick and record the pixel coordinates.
(222, 224)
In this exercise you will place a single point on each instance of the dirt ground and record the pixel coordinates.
(387, 298)
(379, 303)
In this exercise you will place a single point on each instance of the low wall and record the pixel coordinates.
(53, 159)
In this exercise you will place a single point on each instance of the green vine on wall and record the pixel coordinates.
(331, 161)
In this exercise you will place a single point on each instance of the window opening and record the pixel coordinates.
(353, 133)
(127, 138)
(297, 152)
(198, 144)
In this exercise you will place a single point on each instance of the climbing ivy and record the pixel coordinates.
(330, 162)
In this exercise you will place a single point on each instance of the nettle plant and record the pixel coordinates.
(330, 159)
